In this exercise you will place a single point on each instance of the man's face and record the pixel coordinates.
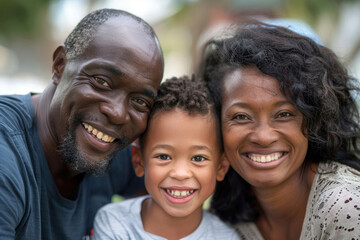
(103, 99)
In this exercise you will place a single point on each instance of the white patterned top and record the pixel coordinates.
(333, 208)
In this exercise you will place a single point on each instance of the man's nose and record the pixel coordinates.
(116, 110)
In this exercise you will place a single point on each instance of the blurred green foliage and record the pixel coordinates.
(22, 17)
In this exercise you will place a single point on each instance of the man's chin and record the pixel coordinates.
(82, 162)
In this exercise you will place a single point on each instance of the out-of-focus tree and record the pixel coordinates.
(22, 17)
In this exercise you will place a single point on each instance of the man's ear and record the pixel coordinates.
(223, 167)
(59, 62)
(136, 158)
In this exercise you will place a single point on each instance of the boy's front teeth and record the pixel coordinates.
(179, 193)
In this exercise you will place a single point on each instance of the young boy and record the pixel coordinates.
(181, 157)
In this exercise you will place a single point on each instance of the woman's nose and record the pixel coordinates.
(264, 134)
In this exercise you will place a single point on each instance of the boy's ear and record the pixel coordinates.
(223, 167)
(136, 158)
(59, 62)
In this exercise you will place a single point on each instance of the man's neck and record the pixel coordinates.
(65, 179)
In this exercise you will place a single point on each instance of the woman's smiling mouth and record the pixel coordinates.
(265, 158)
(98, 134)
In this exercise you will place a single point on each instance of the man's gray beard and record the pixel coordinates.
(78, 161)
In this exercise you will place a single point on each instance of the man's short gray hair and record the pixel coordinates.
(83, 33)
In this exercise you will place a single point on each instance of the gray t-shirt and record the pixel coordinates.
(123, 221)
(333, 208)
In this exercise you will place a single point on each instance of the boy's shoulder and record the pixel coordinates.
(211, 227)
(122, 208)
(120, 220)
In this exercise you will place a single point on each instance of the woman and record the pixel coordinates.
(291, 133)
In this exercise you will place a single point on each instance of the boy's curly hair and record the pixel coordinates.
(188, 94)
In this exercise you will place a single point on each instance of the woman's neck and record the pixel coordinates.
(158, 222)
(283, 207)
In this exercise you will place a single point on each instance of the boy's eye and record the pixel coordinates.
(163, 157)
(198, 158)
(101, 81)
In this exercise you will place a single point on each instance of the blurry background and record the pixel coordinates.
(31, 29)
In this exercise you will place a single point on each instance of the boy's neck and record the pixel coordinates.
(158, 222)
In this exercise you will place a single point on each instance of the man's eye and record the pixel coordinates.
(198, 158)
(101, 81)
(140, 102)
(163, 157)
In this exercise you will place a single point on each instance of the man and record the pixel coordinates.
(105, 78)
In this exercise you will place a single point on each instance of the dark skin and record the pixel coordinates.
(265, 144)
(110, 87)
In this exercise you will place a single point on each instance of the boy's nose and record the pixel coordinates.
(180, 170)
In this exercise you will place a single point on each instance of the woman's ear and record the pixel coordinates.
(59, 62)
(223, 167)
(136, 158)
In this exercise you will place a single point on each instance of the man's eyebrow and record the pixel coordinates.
(150, 93)
(111, 68)
(147, 91)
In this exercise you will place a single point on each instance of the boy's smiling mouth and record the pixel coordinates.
(98, 134)
(179, 193)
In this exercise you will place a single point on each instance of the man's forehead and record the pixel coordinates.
(124, 24)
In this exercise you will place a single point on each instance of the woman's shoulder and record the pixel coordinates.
(248, 231)
(338, 173)
(334, 202)
(335, 184)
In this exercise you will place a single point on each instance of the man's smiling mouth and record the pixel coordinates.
(98, 134)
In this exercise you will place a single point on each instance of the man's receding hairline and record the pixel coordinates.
(86, 29)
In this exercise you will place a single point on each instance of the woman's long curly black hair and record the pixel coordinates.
(310, 76)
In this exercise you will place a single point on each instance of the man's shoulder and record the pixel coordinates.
(15, 110)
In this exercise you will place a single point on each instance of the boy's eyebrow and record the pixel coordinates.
(197, 147)
(201, 147)
(162, 146)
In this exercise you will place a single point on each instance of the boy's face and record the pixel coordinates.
(182, 161)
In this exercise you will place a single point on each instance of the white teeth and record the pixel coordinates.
(178, 193)
(98, 134)
(265, 158)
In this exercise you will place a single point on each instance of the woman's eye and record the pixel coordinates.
(284, 114)
(198, 158)
(163, 157)
(241, 117)
(101, 81)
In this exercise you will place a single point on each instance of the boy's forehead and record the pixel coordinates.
(159, 118)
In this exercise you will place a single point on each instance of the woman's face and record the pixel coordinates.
(262, 132)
